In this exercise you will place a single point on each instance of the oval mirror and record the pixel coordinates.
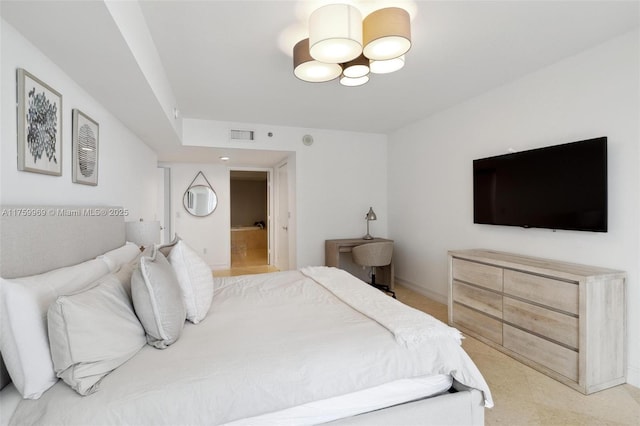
(200, 200)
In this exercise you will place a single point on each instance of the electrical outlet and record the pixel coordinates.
(204, 250)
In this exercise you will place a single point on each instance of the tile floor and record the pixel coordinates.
(522, 396)
(248, 248)
(248, 257)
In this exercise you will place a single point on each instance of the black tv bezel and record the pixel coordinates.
(605, 214)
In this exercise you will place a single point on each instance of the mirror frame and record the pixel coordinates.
(211, 193)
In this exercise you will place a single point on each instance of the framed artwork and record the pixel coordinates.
(39, 126)
(85, 135)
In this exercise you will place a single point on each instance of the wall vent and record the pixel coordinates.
(242, 135)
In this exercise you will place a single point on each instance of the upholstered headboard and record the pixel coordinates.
(39, 239)
(36, 239)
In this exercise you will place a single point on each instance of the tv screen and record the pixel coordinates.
(556, 187)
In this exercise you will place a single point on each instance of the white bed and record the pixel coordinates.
(296, 347)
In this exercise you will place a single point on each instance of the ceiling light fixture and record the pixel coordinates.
(308, 69)
(341, 44)
(385, 67)
(387, 34)
(356, 68)
(354, 81)
(335, 33)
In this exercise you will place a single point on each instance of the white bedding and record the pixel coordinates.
(351, 404)
(409, 326)
(9, 400)
(269, 343)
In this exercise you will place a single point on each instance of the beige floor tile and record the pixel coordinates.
(634, 392)
(611, 406)
(249, 257)
(248, 254)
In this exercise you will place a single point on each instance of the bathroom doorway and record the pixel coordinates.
(250, 227)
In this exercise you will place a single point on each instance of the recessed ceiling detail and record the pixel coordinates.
(219, 71)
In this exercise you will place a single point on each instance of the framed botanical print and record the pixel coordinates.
(85, 136)
(39, 126)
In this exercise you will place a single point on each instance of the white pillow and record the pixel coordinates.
(93, 332)
(125, 273)
(23, 316)
(195, 279)
(157, 300)
(165, 249)
(120, 256)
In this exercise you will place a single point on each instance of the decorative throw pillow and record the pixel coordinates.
(195, 279)
(157, 300)
(23, 319)
(93, 332)
(165, 249)
(125, 272)
(120, 256)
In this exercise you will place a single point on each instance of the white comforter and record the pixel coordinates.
(269, 343)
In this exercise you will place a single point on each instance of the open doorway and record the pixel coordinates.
(249, 203)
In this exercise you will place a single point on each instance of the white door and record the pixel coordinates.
(163, 204)
(282, 219)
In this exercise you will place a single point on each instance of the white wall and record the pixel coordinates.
(127, 167)
(592, 94)
(336, 179)
(208, 236)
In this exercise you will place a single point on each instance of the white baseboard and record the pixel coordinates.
(633, 376)
(423, 291)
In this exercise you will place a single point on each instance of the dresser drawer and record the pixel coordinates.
(478, 274)
(553, 325)
(563, 319)
(477, 298)
(546, 353)
(477, 322)
(556, 294)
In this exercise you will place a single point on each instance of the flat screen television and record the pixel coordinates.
(556, 187)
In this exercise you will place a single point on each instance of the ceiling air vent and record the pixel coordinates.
(241, 135)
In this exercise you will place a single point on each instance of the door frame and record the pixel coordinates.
(292, 233)
(278, 188)
(164, 203)
(270, 220)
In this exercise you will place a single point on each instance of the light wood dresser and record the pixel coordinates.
(562, 319)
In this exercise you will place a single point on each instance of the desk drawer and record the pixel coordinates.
(478, 274)
(556, 294)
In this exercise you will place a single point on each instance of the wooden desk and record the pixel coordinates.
(337, 253)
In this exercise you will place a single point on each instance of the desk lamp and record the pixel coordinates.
(371, 215)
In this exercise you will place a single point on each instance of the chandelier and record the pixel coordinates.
(342, 44)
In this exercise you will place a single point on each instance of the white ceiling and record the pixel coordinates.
(224, 59)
